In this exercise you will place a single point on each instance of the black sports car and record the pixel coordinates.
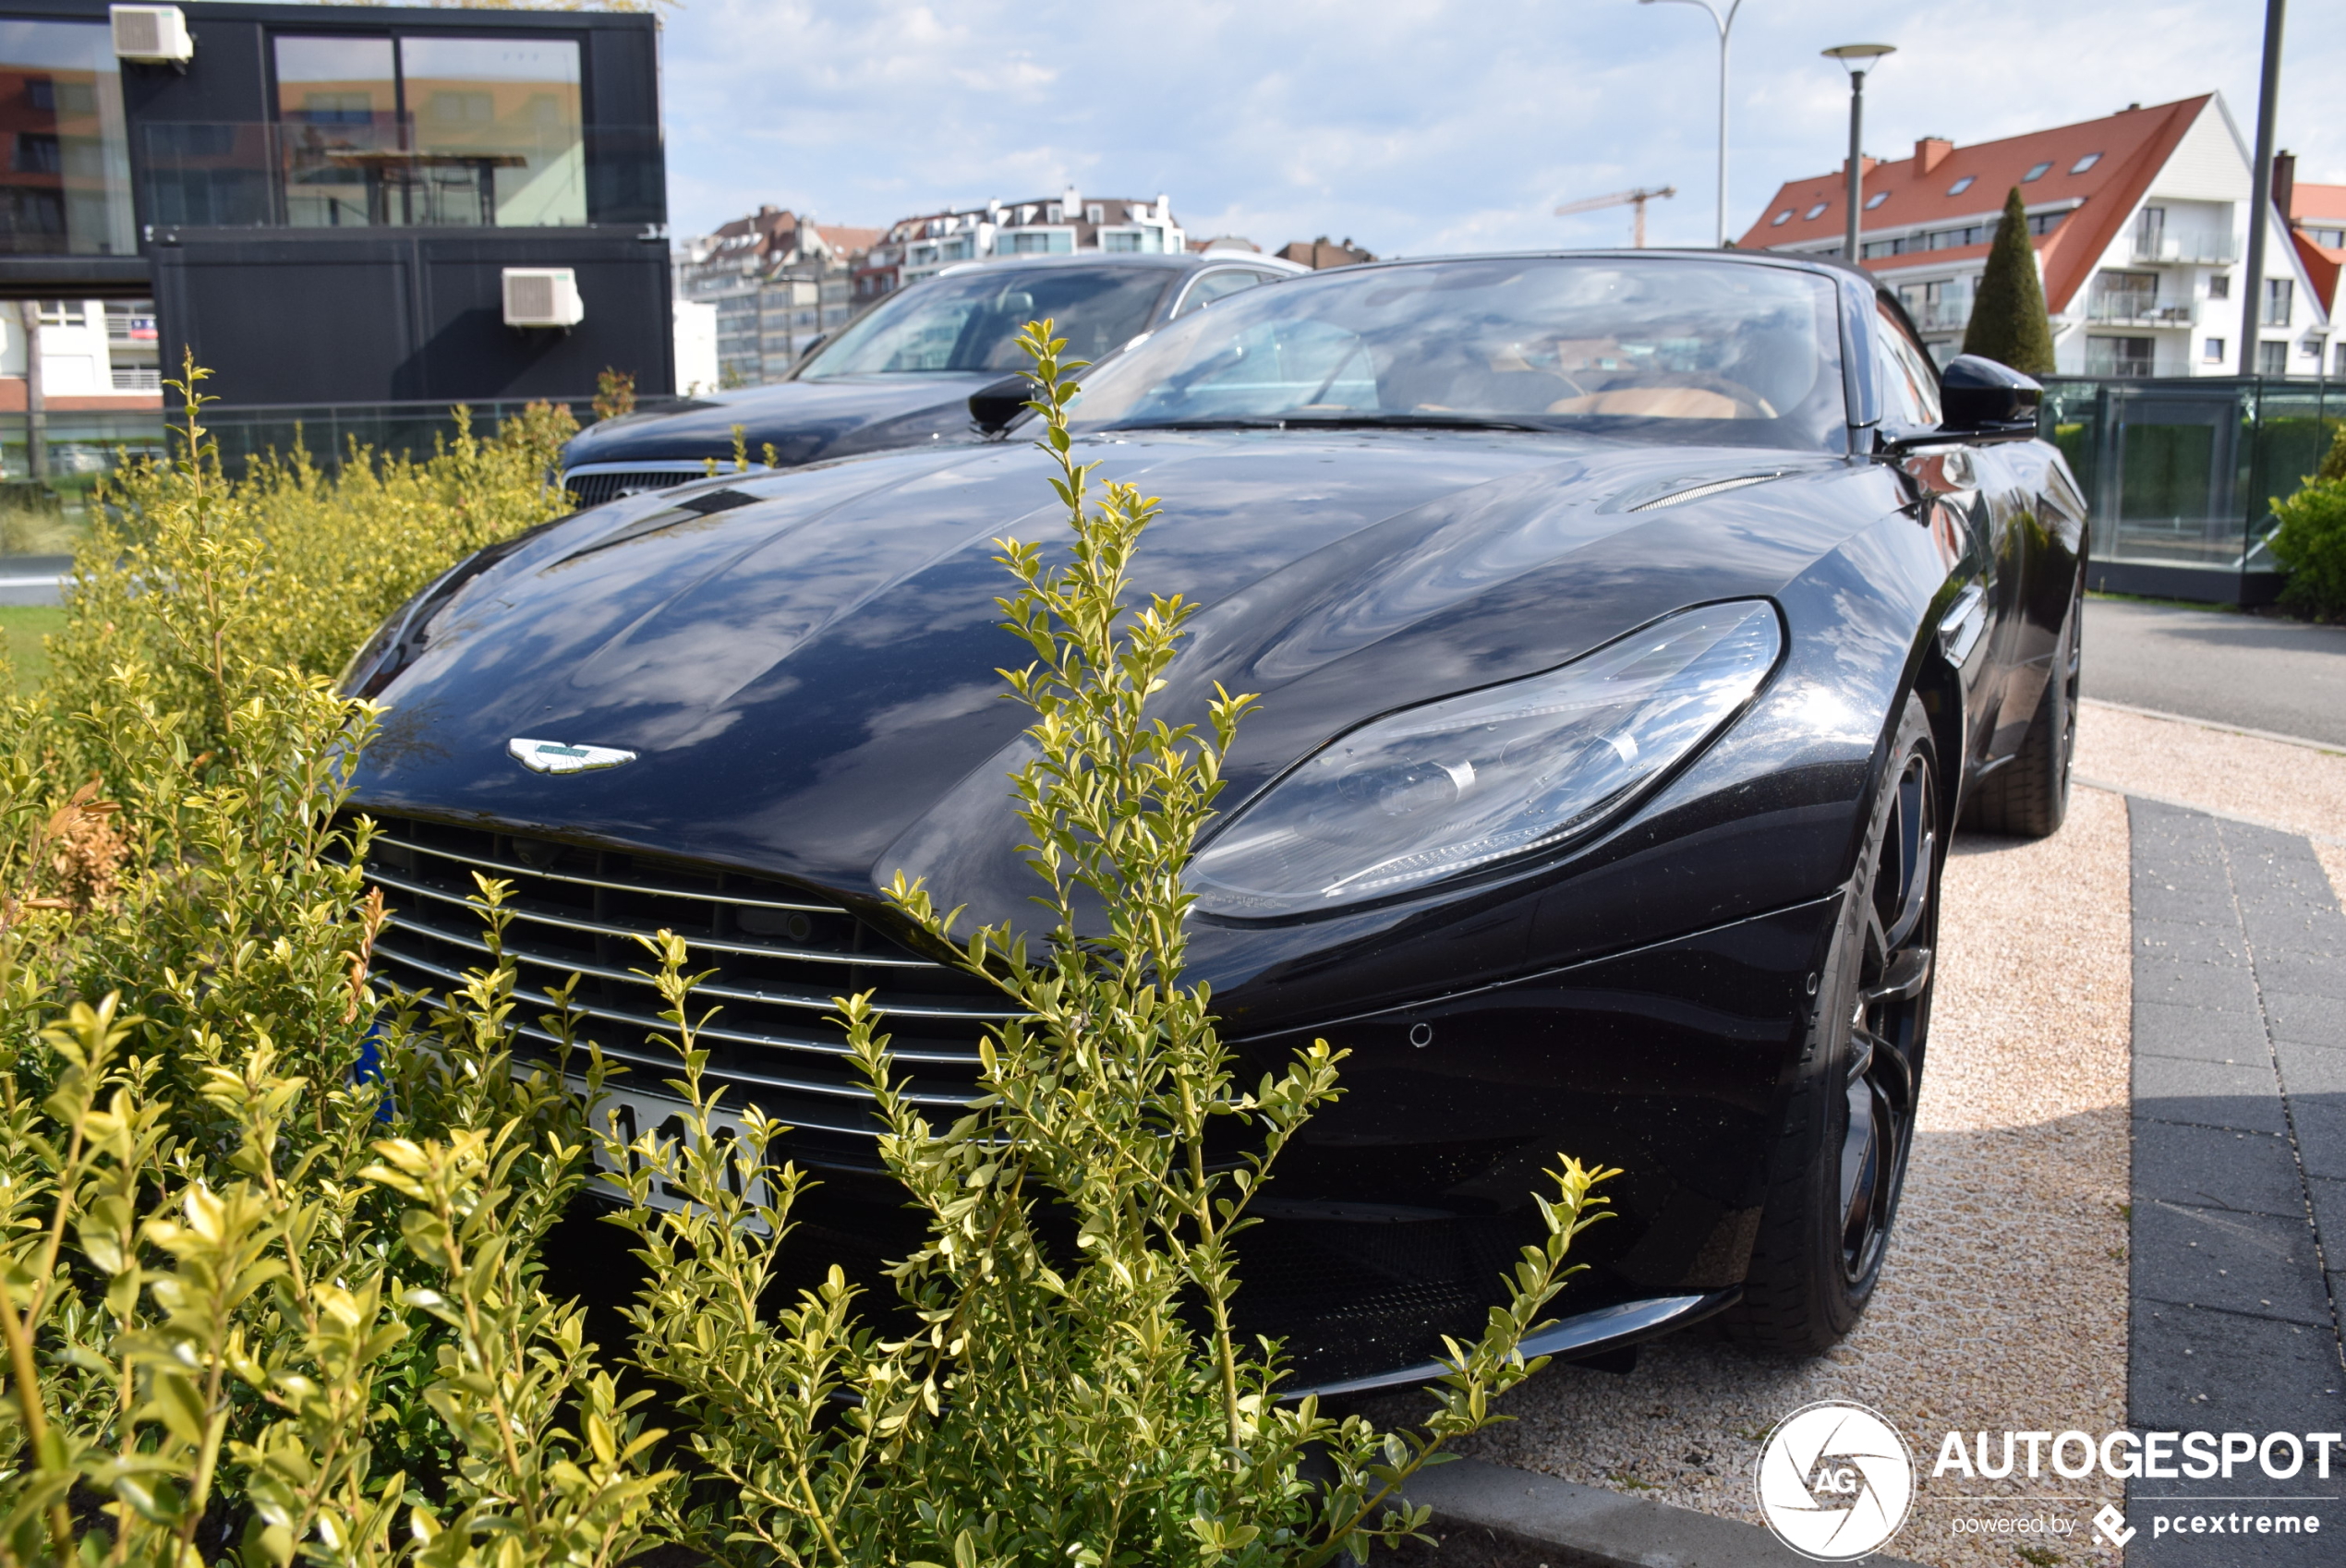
(903, 373)
(1631, 629)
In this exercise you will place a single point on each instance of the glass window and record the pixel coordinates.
(2272, 359)
(2279, 297)
(458, 131)
(970, 322)
(2212, 352)
(1817, 210)
(1876, 199)
(338, 117)
(496, 130)
(2036, 172)
(1909, 389)
(1779, 218)
(1660, 349)
(2219, 285)
(1220, 284)
(2087, 162)
(64, 183)
(1962, 185)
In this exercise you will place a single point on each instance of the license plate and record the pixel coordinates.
(631, 1113)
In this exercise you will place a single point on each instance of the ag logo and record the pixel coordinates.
(1836, 1480)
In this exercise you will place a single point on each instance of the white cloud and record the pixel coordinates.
(1413, 125)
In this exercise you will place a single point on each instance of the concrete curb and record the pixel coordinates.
(1495, 1517)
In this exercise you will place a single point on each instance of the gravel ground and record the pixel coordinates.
(2003, 1302)
(2299, 788)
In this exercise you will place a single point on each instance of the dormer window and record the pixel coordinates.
(1781, 219)
(1815, 213)
(1963, 185)
(2036, 172)
(1876, 199)
(1055, 213)
(1095, 212)
(2087, 162)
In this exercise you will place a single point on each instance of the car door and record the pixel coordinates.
(1965, 496)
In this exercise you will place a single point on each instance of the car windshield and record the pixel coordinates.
(1652, 348)
(968, 321)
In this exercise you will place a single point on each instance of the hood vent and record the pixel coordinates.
(1697, 493)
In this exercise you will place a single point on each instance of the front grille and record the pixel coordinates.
(593, 490)
(779, 954)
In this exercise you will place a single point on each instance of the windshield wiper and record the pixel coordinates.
(1413, 422)
(1226, 422)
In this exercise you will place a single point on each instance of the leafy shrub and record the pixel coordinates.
(269, 1287)
(2311, 542)
(291, 567)
(1052, 1403)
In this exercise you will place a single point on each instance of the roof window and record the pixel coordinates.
(1780, 218)
(1962, 185)
(1814, 213)
(2087, 162)
(1876, 199)
(2036, 172)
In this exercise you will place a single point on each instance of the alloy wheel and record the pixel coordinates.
(1886, 1032)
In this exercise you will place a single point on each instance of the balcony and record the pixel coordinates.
(386, 174)
(2185, 247)
(1942, 315)
(2130, 308)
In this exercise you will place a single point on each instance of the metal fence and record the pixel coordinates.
(2182, 472)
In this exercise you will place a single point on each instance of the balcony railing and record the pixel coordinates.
(384, 174)
(2139, 310)
(1942, 315)
(2186, 246)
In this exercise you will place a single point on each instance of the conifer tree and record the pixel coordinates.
(2008, 321)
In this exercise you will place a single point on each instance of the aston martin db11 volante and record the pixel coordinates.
(1631, 629)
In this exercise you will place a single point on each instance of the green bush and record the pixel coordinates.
(262, 1305)
(2311, 542)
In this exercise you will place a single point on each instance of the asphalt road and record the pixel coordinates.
(2251, 671)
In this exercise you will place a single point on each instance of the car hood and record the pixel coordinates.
(807, 663)
(803, 421)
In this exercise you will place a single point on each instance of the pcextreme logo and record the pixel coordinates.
(1835, 1481)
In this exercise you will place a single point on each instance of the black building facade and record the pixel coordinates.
(324, 201)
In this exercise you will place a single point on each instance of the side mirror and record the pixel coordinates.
(1984, 400)
(993, 407)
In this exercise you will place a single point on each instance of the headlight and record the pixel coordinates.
(1441, 789)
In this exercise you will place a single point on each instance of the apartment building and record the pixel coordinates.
(2317, 226)
(779, 282)
(2139, 220)
(95, 354)
(923, 247)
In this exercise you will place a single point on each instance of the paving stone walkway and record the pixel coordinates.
(2239, 1228)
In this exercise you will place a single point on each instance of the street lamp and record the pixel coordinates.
(1854, 58)
(1725, 24)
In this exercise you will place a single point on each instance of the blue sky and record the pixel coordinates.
(1413, 125)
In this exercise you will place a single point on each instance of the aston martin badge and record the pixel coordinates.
(557, 756)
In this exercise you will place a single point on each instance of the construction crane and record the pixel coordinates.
(1636, 198)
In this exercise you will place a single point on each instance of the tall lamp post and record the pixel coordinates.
(1856, 58)
(1725, 24)
(2252, 309)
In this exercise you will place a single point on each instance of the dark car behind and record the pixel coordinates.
(902, 374)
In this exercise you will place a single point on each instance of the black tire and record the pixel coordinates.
(2028, 797)
(1841, 1160)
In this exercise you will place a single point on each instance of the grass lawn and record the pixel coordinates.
(22, 627)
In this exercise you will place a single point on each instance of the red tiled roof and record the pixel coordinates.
(2324, 205)
(2314, 203)
(2134, 145)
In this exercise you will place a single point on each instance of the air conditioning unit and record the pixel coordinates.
(542, 296)
(151, 34)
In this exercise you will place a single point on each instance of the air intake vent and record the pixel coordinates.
(542, 296)
(776, 955)
(150, 34)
